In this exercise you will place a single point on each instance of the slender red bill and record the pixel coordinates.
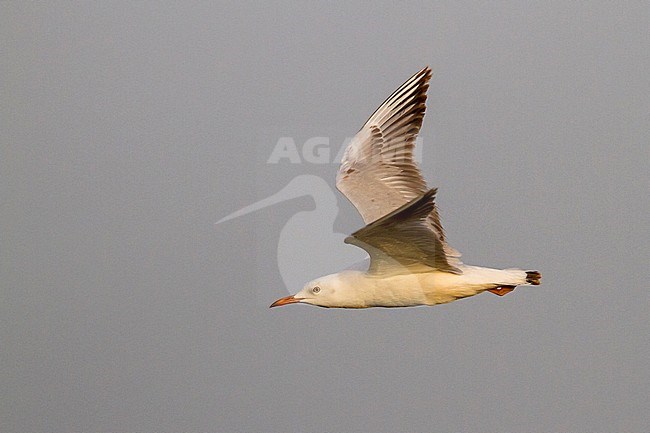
(285, 301)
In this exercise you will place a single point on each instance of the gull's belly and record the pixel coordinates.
(429, 288)
(443, 287)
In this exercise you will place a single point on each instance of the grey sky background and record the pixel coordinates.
(129, 129)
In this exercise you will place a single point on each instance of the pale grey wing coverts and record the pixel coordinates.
(378, 173)
(403, 238)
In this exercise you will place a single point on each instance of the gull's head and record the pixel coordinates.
(327, 291)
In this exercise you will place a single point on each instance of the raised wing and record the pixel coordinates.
(403, 239)
(378, 173)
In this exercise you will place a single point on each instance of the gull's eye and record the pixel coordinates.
(315, 290)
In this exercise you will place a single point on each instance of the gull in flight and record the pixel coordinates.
(411, 262)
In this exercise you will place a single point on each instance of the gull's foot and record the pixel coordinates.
(502, 291)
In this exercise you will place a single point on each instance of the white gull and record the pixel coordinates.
(411, 262)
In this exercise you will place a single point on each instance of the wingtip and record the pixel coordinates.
(430, 195)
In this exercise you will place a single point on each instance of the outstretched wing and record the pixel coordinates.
(403, 239)
(378, 173)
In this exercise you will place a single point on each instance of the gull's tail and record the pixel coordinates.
(533, 277)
